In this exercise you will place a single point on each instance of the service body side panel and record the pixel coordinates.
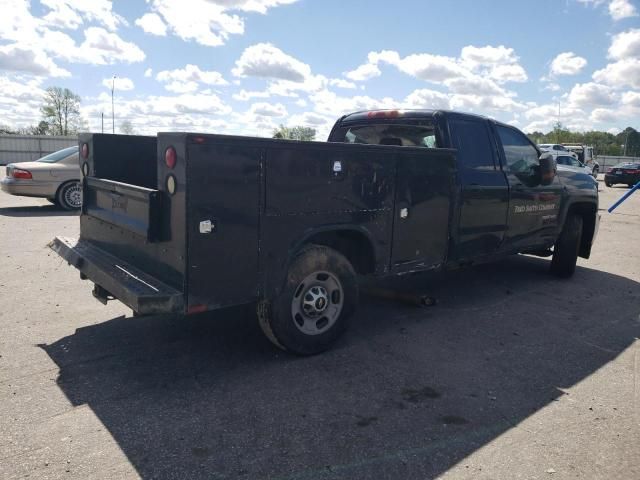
(312, 188)
(223, 178)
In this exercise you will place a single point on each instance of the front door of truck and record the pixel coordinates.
(533, 208)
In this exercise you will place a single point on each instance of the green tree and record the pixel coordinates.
(61, 110)
(295, 133)
(127, 128)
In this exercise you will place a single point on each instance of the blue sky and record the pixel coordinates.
(246, 66)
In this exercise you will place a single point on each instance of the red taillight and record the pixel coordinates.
(170, 157)
(19, 173)
(632, 172)
(384, 114)
(84, 150)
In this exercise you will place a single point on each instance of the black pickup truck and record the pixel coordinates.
(185, 223)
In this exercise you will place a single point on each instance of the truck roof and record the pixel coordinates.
(402, 113)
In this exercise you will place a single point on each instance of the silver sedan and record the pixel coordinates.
(55, 177)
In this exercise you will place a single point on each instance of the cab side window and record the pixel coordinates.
(472, 140)
(521, 156)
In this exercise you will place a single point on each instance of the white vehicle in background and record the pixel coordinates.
(569, 162)
(585, 155)
(556, 149)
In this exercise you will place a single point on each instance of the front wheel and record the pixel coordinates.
(565, 251)
(319, 295)
(69, 196)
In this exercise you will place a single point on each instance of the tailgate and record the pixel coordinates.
(143, 293)
(134, 208)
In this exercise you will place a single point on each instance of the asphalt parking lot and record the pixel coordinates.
(512, 375)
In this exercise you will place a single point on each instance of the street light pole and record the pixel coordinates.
(113, 115)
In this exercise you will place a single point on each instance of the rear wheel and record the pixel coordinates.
(69, 195)
(608, 184)
(312, 311)
(565, 251)
(631, 185)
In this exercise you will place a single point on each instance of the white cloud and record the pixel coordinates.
(267, 61)
(15, 58)
(339, 82)
(567, 63)
(120, 83)
(589, 95)
(488, 55)
(188, 78)
(620, 74)
(245, 95)
(268, 109)
(508, 73)
(71, 13)
(152, 23)
(625, 45)
(186, 112)
(148, 72)
(631, 99)
(101, 47)
(20, 100)
(619, 9)
(364, 72)
(209, 22)
(427, 99)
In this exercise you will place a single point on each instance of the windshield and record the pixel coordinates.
(59, 155)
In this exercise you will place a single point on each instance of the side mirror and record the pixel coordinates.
(547, 168)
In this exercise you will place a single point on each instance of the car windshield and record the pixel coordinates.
(59, 155)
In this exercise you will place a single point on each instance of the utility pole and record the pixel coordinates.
(626, 140)
(113, 115)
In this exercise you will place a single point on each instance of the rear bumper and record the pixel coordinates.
(143, 293)
(29, 188)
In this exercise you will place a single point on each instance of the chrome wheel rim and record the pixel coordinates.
(73, 195)
(317, 303)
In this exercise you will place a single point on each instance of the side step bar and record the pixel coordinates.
(143, 293)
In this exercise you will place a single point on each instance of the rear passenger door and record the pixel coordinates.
(484, 191)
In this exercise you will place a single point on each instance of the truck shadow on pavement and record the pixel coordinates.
(37, 211)
(407, 393)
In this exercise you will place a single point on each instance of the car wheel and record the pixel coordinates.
(565, 251)
(69, 195)
(608, 184)
(312, 311)
(595, 172)
(631, 185)
(52, 200)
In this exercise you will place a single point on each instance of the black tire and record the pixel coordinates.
(284, 319)
(608, 184)
(565, 251)
(52, 200)
(631, 185)
(67, 196)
